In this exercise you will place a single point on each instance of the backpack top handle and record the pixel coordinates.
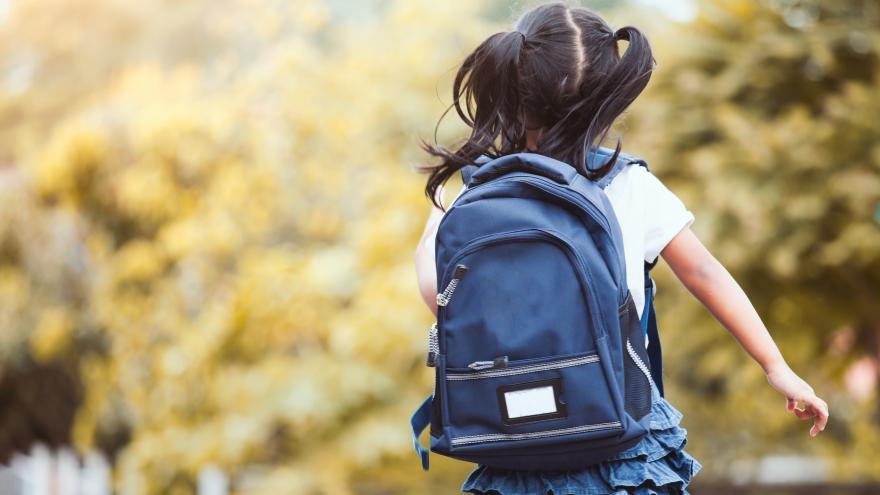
(536, 163)
(487, 169)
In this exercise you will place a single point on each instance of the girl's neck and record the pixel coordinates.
(532, 136)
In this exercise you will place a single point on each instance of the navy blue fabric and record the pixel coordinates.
(556, 170)
(658, 464)
(419, 421)
(530, 264)
(649, 326)
(595, 159)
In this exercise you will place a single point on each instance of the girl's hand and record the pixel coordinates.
(783, 379)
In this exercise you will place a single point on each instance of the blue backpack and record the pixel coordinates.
(538, 349)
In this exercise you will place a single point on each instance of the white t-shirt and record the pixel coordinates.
(649, 214)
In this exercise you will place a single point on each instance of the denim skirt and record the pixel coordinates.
(657, 464)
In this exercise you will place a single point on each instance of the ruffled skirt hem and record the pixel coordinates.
(657, 464)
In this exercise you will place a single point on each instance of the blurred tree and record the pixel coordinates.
(211, 214)
(207, 219)
(763, 117)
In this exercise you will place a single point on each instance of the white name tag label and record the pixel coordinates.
(530, 402)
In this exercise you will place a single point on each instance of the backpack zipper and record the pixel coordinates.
(639, 363)
(499, 362)
(444, 297)
(433, 346)
(522, 369)
(544, 184)
(501, 437)
(541, 183)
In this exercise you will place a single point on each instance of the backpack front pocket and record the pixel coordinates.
(530, 402)
(525, 293)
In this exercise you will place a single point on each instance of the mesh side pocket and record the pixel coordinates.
(637, 375)
(637, 397)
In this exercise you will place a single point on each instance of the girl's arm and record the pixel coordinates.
(426, 271)
(707, 279)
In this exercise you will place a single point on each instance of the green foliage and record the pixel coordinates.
(763, 117)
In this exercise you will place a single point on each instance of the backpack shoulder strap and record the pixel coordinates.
(623, 160)
(468, 170)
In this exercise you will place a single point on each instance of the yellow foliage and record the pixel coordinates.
(216, 214)
(68, 167)
(137, 261)
(51, 336)
(242, 213)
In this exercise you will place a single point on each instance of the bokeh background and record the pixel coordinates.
(209, 210)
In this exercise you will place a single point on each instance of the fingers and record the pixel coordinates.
(806, 413)
(814, 408)
(821, 410)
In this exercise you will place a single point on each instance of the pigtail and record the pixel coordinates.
(486, 96)
(609, 85)
(560, 70)
(622, 85)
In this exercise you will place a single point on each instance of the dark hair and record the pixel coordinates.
(559, 69)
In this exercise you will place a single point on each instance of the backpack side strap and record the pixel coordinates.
(420, 420)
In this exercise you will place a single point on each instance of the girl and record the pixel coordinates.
(555, 85)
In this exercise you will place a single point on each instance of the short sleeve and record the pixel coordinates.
(665, 216)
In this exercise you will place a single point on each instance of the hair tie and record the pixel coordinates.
(523, 36)
(620, 34)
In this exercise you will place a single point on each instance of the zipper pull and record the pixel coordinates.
(499, 362)
(433, 346)
(444, 297)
